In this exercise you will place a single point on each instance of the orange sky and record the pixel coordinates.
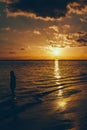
(43, 35)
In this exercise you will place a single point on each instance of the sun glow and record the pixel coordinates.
(55, 51)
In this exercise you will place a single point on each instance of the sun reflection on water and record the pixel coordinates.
(57, 73)
(61, 103)
(56, 69)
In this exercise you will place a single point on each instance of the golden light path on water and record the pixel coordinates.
(66, 103)
(61, 102)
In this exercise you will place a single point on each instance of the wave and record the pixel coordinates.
(65, 81)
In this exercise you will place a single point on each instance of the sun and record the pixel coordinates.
(55, 51)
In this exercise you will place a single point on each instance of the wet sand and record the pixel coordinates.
(64, 109)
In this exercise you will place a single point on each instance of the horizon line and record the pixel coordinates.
(43, 59)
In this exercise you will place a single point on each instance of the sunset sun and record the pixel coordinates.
(56, 51)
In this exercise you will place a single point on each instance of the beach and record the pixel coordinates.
(50, 95)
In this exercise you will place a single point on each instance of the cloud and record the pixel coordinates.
(6, 29)
(8, 1)
(83, 20)
(55, 28)
(9, 29)
(12, 52)
(83, 39)
(36, 32)
(45, 9)
(22, 49)
(69, 40)
(79, 7)
(2, 0)
(66, 26)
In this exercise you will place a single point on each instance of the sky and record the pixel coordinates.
(43, 29)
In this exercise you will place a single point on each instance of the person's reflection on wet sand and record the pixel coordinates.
(14, 115)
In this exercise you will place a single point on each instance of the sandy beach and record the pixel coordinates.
(49, 102)
(64, 113)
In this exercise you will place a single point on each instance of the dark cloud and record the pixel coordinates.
(43, 8)
(12, 52)
(22, 49)
(83, 40)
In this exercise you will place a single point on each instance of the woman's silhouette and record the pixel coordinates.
(12, 83)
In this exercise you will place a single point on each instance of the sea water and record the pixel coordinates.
(61, 86)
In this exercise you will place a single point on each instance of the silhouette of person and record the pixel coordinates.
(12, 83)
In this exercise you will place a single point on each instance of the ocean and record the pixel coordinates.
(50, 95)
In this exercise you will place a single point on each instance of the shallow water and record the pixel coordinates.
(49, 95)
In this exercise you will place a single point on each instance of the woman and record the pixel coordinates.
(12, 83)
